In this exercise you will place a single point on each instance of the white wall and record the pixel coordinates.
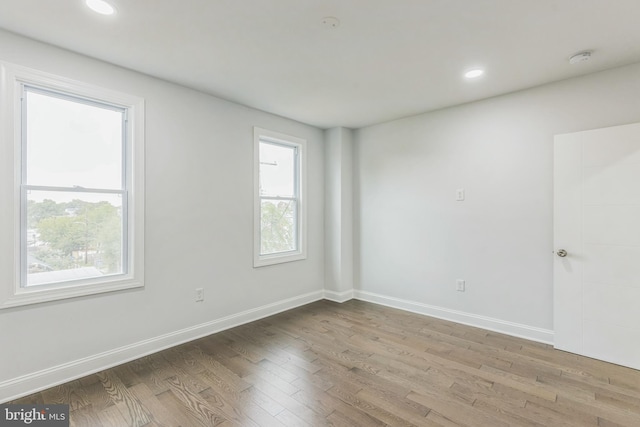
(414, 239)
(338, 171)
(199, 207)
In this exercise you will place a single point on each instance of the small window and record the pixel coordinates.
(279, 202)
(79, 182)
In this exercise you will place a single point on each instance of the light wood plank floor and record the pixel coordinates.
(355, 364)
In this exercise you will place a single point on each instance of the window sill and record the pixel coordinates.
(41, 294)
(264, 260)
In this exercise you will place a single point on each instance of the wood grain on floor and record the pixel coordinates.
(354, 364)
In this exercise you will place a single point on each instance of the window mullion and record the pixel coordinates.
(264, 197)
(23, 191)
(72, 97)
(297, 184)
(73, 189)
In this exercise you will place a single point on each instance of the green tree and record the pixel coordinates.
(277, 226)
(53, 259)
(36, 212)
(63, 233)
(104, 234)
(78, 233)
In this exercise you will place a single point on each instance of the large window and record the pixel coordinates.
(279, 202)
(78, 178)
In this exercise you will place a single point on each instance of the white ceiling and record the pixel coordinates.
(388, 58)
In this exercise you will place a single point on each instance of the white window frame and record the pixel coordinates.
(300, 253)
(12, 294)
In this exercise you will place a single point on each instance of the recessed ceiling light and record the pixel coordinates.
(474, 74)
(101, 7)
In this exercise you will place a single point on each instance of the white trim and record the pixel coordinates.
(338, 296)
(31, 383)
(46, 378)
(293, 141)
(502, 326)
(13, 77)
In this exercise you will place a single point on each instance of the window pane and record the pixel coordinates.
(72, 144)
(278, 226)
(277, 170)
(73, 236)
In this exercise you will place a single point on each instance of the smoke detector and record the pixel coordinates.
(580, 57)
(330, 22)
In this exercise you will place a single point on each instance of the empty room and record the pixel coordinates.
(319, 212)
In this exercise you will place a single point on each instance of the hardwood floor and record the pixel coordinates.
(355, 364)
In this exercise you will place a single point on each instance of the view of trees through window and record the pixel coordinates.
(76, 235)
(73, 188)
(278, 227)
(278, 198)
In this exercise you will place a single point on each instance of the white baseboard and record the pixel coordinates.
(37, 381)
(509, 328)
(338, 296)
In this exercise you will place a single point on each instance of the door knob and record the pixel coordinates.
(562, 253)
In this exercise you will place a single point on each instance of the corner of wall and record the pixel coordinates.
(338, 214)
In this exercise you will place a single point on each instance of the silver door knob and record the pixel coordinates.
(562, 253)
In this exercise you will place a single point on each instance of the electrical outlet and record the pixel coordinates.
(460, 285)
(199, 294)
(460, 194)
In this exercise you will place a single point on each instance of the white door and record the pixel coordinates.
(597, 224)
